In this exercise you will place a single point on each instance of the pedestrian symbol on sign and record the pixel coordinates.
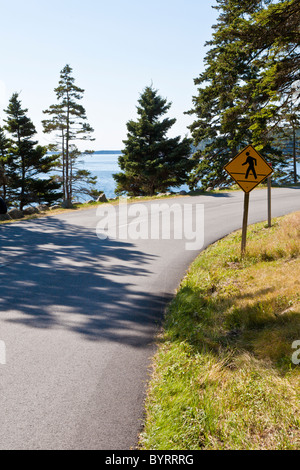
(250, 161)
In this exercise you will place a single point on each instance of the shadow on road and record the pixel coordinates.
(210, 194)
(57, 275)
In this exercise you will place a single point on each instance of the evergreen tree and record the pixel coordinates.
(67, 119)
(241, 90)
(28, 162)
(151, 161)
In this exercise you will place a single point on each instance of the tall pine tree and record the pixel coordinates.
(242, 88)
(68, 120)
(151, 161)
(28, 163)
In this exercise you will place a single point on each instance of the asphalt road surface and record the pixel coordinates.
(78, 316)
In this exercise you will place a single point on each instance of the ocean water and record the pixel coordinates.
(104, 166)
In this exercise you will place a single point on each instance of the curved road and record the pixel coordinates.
(78, 317)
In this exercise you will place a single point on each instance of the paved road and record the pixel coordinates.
(78, 315)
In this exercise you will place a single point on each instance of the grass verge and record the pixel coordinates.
(223, 376)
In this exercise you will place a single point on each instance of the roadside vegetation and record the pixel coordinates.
(58, 209)
(223, 376)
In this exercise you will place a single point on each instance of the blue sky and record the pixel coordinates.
(115, 48)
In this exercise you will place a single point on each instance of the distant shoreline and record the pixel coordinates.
(108, 152)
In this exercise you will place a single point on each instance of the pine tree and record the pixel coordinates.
(68, 121)
(243, 86)
(27, 161)
(151, 161)
(219, 125)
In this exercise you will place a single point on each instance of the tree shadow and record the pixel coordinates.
(220, 325)
(57, 275)
(210, 194)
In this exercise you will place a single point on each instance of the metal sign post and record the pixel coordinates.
(269, 202)
(248, 169)
(269, 199)
(245, 222)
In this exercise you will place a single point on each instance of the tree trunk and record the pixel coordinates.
(22, 202)
(294, 155)
(71, 179)
(3, 181)
(152, 189)
(63, 164)
(67, 154)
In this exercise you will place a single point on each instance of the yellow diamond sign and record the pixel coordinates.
(248, 169)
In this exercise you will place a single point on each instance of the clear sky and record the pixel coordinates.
(115, 47)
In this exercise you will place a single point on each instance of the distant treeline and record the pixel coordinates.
(107, 152)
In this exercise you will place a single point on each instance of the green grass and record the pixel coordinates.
(223, 376)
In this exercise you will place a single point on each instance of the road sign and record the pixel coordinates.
(248, 169)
